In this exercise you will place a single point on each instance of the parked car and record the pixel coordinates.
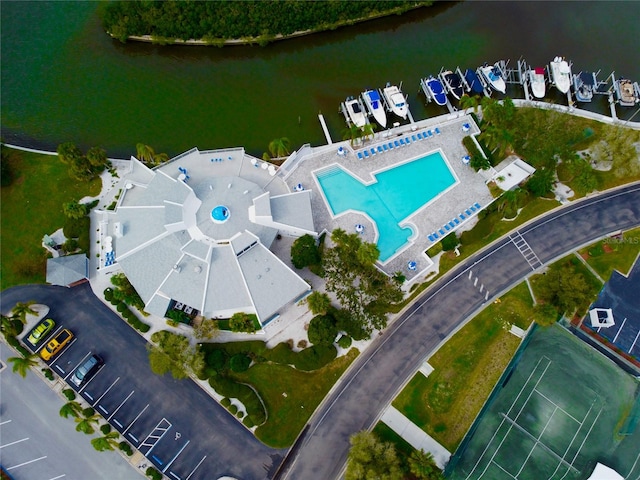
(41, 331)
(57, 343)
(86, 370)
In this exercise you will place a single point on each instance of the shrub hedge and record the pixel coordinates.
(244, 393)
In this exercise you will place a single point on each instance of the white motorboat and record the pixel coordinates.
(355, 112)
(396, 101)
(584, 85)
(493, 76)
(371, 99)
(452, 82)
(537, 81)
(435, 90)
(628, 93)
(560, 74)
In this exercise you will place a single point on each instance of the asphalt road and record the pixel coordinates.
(175, 424)
(36, 442)
(377, 375)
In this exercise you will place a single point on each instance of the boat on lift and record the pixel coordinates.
(371, 99)
(474, 81)
(628, 93)
(560, 74)
(436, 90)
(396, 100)
(537, 81)
(355, 112)
(584, 85)
(452, 82)
(494, 77)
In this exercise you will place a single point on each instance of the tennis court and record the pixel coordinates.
(556, 414)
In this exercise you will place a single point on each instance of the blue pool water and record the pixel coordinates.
(395, 194)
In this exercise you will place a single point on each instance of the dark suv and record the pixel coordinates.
(86, 370)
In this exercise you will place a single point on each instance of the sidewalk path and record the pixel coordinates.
(413, 434)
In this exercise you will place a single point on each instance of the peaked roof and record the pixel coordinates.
(67, 270)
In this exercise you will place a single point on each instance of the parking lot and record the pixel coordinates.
(181, 430)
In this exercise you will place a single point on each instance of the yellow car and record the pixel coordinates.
(41, 331)
(56, 344)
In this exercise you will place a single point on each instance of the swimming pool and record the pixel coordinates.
(395, 194)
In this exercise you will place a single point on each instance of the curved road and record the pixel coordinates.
(377, 375)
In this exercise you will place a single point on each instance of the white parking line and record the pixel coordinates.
(176, 456)
(134, 421)
(90, 380)
(59, 476)
(25, 463)
(13, 443)
(6, 421)
(174, 476)
(105, 392)
(117, 423)
(192, 471)
(103, 409)
(134, 438)
(123, 402)
(59, 354)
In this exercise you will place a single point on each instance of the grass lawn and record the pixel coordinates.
(466, 369)
(30, 208)
(612, 254)
(288, 414)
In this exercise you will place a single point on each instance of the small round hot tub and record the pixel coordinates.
(220, 214)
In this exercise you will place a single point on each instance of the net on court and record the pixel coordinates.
(555, 416)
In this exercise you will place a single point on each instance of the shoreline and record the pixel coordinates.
(261, 40)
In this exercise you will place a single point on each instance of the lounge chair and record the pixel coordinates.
(419, 136)
(477, 205)
(385, 148)
(360, 157)
(435, 235)
(468, 212)
(402, 142)
(380, 149)
(472, 208)
(437, 131)
(452, 225)
(373, 152)
(429, 133)
(430, 237)
(366, 154)
(413, 137)
(442, 232)
(456, 221)
(396, 143)
(447, 227)
(462, 217)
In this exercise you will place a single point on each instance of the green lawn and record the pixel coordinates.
(612, 254)
(30, 208)
(466, 369)
(291, 396)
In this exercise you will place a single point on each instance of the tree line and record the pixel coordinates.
(191, 19)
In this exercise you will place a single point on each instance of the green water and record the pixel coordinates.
(63, 79)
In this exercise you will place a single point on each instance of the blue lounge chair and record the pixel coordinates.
(390, 145)
(419, 135)
(468, 212)
(430, 237)
(413, 137)
(477, 205)
(435, 235)
(462, 217)
(402, 141)
(366, 154)
(447, 227)
(396, 143)
(472, 208)
(380, 149)
(360, 157)
(456, 221)
(385, 148)
(373, 152)
(429, 133)
(452, 225)
(437, 131)
(442, 232)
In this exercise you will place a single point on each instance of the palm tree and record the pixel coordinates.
(145, 153)
(352, 134)
(368, 131)
(318, 302)
(85, 424)
(279, 147)
(509, 200)
(22, 309)
(8, 326)
(423, 466)
(72, 408)
(368, 253)
(108, 441)
(467, 101)
(22, 364)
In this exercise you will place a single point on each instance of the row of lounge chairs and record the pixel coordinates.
(109, 259)
(453, 223)
(401, 142)
(219, 159)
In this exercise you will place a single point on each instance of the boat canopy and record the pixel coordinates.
(539, 71)
(587, 78)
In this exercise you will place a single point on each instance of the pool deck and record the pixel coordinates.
(470, 188)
